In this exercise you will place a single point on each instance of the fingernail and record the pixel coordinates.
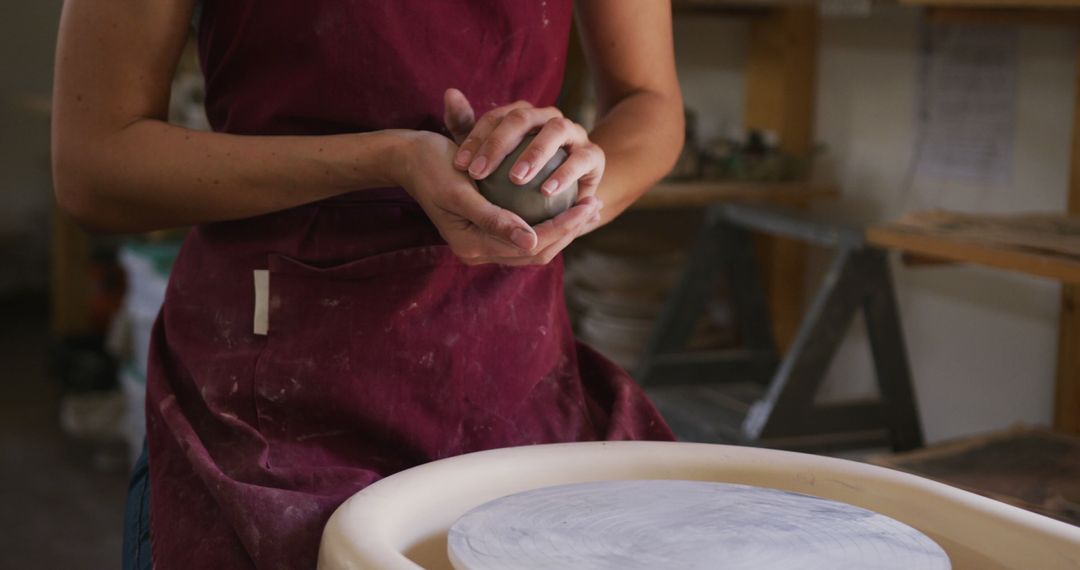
(462, 158)
(522, 238)
(520, 170)
(477, 166)
(550, 186)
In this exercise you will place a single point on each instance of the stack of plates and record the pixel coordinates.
(616, 285)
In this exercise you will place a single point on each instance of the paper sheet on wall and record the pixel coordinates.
(967, 104)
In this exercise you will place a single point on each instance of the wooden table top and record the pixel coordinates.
(697, 193)
(1044, 245)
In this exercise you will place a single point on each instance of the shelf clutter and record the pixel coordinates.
(147, 265)
(745, 167)
(104, 374)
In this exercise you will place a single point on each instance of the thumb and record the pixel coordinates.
(507, 226)
(458, 114)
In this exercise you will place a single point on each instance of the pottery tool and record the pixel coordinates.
(526, 200)
(649, 524)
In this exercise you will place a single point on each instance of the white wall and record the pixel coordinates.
(982, 342)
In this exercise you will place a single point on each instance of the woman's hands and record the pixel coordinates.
(486, 142)
(477, 231)
(440, 175)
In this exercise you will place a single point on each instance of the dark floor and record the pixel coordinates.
(1032, 468)
(62, 504)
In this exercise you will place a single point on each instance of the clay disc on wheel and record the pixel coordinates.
(629, 525)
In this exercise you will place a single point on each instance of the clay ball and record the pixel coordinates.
(526, 200)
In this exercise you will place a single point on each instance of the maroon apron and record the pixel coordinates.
(378, 349)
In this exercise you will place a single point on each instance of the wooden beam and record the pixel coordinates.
(781, 83)
(910, 259)
(1025, 4)
(695, 8)
(70, 271)
(781, 77)
(700, 6)
(1067, 390)
(575, 87)
(1048, 17)
(694, 194)
(1059, 267)
(714, 366)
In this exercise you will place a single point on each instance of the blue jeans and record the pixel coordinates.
(137, 518)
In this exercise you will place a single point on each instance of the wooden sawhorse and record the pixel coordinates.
(751, 394)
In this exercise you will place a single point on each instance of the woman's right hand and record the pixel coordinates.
(476, 230)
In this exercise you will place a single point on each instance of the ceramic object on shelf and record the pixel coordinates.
(526, 200)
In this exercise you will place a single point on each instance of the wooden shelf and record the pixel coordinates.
(1042, 17)
(728, 6)
(703, 193)
(1039, 4)
(1051, 265)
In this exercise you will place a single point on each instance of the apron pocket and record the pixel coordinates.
(413, 258)
(356, 355)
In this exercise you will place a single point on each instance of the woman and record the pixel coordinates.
(347, 305)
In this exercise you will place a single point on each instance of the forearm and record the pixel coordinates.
(629, 48)
(119, 166)
(152, 175)
(642, 136)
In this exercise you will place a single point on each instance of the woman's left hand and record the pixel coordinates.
(484, 143)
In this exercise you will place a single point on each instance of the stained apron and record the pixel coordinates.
(303, 355)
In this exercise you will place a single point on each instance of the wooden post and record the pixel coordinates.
(575, 78)
(70, 267)
(1067, 398)
(1067, 393)
(781, 82)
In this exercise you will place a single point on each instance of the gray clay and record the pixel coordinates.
(526, 200)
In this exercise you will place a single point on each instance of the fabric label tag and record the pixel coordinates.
(262, 302)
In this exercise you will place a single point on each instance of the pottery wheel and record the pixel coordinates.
(651, 525)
